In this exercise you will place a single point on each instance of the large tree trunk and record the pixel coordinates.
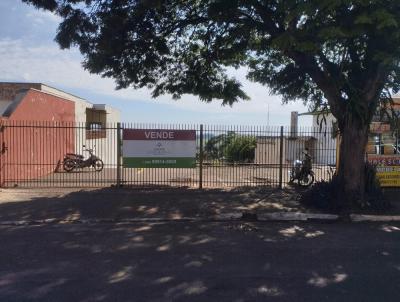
(354, 138)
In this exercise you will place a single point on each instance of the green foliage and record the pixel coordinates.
(341, 55)
(335, 53)
(329, 195)
(372, 188)
(230, 147)
(215, 146)
(240, 149)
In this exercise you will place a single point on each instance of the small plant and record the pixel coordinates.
(374, 198)
(323, 195)
(327, 196)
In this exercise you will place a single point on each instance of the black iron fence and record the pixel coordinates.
(33, 155)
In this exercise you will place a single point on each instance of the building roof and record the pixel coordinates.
(13, 98)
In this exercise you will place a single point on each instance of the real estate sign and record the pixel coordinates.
(387, 169)
(159, 148)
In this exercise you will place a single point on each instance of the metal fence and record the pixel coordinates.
(32, 155)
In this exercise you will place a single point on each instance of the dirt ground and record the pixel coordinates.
(213, 177)
(112, 203)
(160, 203)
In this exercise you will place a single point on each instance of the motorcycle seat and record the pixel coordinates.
(74, 155)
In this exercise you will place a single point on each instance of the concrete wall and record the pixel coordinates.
(325, 145)
(268, 150)
(294, 149)
(34, 144)
(105, 146)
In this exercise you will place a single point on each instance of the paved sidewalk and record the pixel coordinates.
(111, 205)
(119, 204)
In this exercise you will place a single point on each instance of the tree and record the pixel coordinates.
(240, 149)
(215, 146)
(341, 54)
(231, 147)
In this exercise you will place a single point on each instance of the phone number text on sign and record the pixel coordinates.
(387, 169)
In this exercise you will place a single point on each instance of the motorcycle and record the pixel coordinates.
(74, 161)
(302, 171)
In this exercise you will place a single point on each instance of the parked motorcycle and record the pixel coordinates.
(74, 161)
(302, 171)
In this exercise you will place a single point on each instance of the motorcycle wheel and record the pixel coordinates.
(68, 165)
(306, 180)
(98, 165)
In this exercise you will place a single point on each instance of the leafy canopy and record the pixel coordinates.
(341, 53)
(232, 147)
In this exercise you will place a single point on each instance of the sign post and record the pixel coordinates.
(201, 154)
(159, 148)
(119, 155)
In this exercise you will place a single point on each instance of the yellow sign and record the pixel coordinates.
(387, 169)
(378, 127)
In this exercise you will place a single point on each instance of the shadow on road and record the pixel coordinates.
(187, 261)
(112, 203)
(200, 262)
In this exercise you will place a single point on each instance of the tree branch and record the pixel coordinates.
(323, 80)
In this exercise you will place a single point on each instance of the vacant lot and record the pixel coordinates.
(220, 176)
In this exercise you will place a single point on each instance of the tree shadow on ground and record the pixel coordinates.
(128, 203)
(200, 262)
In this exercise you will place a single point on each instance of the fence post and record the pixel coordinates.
(281, 159)
(2, 151)
(201, 155)
(119, 155)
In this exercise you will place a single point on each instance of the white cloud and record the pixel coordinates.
(40, 16)
(50, 65)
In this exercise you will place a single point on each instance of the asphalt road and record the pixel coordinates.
(200, 262)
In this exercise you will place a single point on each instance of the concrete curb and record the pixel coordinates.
(279, 216)
(226, 217)
(374, 218)
(236, 216)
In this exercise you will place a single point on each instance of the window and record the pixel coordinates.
(95, 126)
(95, 123)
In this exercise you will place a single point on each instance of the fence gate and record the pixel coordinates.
(33, 154)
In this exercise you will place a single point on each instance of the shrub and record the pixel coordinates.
(326, 195)
(241, 149)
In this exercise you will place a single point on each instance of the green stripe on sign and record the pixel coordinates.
(159, 162)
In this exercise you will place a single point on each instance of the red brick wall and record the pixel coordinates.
(37, 135)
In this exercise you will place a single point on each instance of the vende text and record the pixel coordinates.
(159, 134)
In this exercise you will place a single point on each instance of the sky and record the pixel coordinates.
(28, 53)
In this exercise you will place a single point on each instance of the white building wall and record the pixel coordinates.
(267, 150)
(294, 149)
(104, 148)
(325, 146)
(61, 93)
